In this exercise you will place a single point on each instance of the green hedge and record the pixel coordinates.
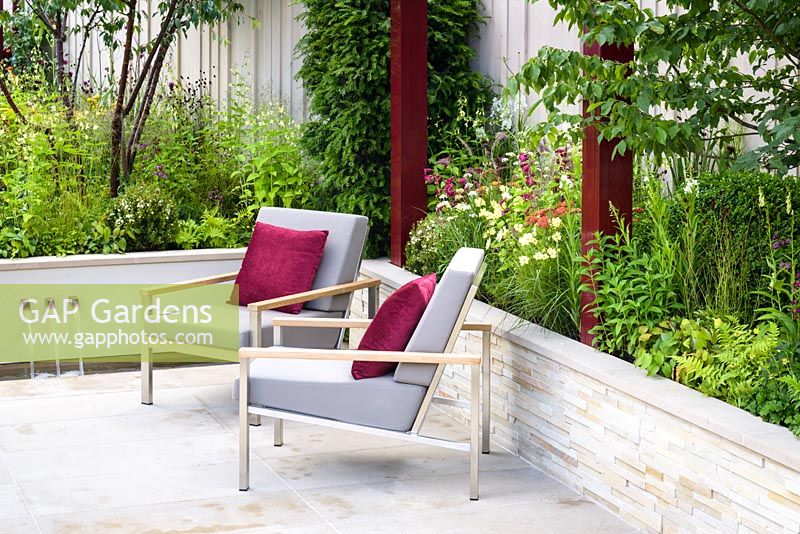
(733, 228)
(346, 75)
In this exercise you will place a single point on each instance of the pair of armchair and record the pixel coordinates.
(291, 366)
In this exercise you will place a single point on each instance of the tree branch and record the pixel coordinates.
(147, 101)
(165, 27)
(37, 9)
(791, 53)
(744, 123)
(10, 100)
(89, 28)
(117, 117)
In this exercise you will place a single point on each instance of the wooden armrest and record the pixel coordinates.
(180, 286)
(477, 327)
(320, 322)
(286, 353)
(314, 294)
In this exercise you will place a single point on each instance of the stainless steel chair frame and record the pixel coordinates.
(372, 285)
(479, 402)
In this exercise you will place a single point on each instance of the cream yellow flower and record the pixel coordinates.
(527, 239)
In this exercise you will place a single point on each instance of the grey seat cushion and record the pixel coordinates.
(342, 256)
(318, 338)
(326, 389)
(439, 319)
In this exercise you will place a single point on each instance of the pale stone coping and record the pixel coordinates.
(772, 441)
(98, 260)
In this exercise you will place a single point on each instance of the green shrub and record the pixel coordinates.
(147, 214)
(633, 289)
(733, 245)
(212, 167)
(346, 75)
(436, 238)
(215, 231)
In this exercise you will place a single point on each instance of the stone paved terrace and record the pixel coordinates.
(80, 454)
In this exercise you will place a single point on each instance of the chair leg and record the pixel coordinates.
(255, 419)
(244, 426)
(486, 395)
(475, 435)
(278, 432)
(147, 375)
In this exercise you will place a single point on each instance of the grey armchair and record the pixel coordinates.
(329, 297)
(315, 385)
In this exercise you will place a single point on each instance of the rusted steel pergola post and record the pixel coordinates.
(606, 182)
(409, 120)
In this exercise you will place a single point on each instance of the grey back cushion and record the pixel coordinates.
(342, 257)
(440, 316)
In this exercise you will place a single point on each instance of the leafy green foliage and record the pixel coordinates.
(633, 288)
(147, 213)
(209, 169)
(215, 231)
(722, 358)
(346, 75)
(732, 247)
(685, 85)
(25, 39)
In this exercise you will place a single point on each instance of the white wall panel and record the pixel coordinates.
(264, 55)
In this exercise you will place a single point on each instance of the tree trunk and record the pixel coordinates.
(61, 81)
(147, 101)
(117, 116)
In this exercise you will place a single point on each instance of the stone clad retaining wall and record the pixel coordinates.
(660, 455)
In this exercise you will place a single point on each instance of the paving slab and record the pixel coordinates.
(81, 454)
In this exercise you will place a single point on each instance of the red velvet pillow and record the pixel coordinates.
(279, 262)
(393, 325)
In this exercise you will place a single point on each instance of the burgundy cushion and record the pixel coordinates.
(393, 325)
(279, 262)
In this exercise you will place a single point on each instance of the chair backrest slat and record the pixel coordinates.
(343, 248)
(436, 329)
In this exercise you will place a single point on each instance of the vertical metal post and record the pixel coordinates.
(255, 341)
(474, 431)
(606, 182)
(147, 364)
(277, 433)
(486, 385)
(244, 426)
(409, 119)
(373, 298)
(277, 423)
